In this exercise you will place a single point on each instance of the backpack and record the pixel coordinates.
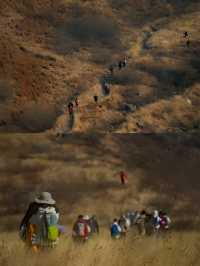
(52, 232)
(45, 225)
(82, 229)
(156, 222)
(114, 230)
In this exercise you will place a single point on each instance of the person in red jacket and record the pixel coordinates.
(123, 178)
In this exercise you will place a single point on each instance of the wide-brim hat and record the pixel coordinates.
(86, 217)
(45, 197)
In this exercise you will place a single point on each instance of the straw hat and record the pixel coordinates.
(45, 197)
(86, 217)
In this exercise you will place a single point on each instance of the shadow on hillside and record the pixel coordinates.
(86, 27)
(141, 13)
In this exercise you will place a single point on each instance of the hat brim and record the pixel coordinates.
(51, 202)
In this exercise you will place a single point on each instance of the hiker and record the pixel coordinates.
(124, 62)
(132, 216)
(106, 88)
(141, 222)
(39, 227)
(185, 34)
(115, 230)
(93, 223)
(124, 223)
(96, 99)
(165, 220)
(70, 108)
(120, 65)
(123, 178)
(81, 229)
(156, 221)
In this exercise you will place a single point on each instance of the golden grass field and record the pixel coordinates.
(81, 171)
(176, 249)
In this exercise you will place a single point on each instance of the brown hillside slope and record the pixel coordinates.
(54, 50)
(82, 173)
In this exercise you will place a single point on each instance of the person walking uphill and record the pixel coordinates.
(115, 230)
(39, 227)
(71, 108)
(123, 178)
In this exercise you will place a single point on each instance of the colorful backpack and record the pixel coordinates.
(82, 229)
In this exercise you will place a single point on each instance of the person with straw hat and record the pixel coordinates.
(39, 227)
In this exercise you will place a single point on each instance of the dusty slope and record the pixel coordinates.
(82, 173)
(53, 50)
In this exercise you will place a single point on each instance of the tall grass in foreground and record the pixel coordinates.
(174, 249)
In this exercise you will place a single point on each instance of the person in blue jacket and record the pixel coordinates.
(115, 229)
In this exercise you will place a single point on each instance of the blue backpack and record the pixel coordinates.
(114, 230)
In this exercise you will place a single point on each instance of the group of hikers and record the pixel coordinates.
(119, 65)
(105, 86)
(40, 228)
(146, 223)
(105, 83)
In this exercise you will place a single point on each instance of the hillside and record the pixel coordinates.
(53, 51)
(82, 172)
(127, 66)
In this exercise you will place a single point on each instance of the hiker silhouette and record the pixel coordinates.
(39, 227)
(123, 178)
(70, 108)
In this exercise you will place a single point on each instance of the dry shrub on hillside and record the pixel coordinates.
(37, 118)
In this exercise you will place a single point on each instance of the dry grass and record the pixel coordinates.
(82, 173)
(176, 249)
